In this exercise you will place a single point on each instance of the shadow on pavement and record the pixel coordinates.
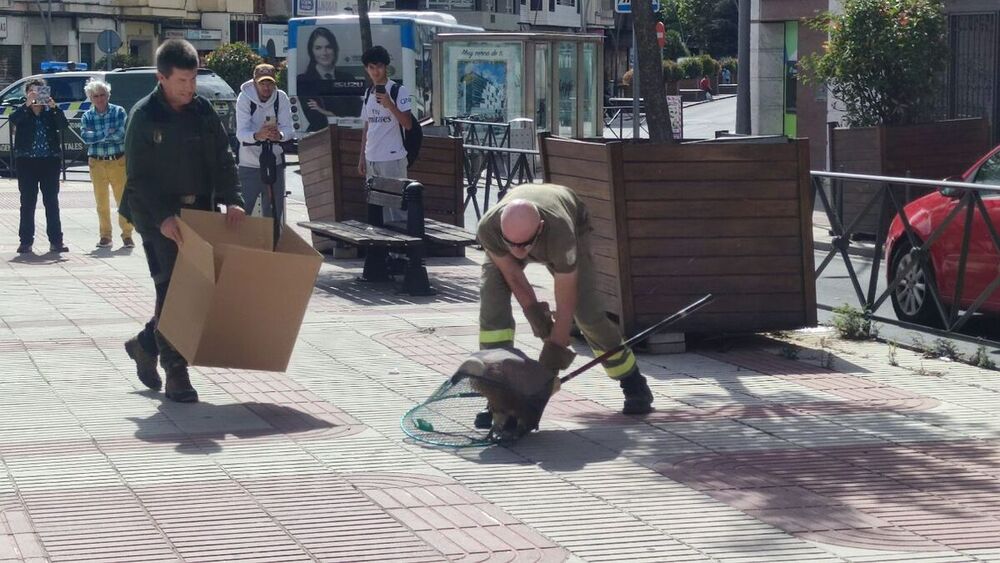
(38, 259)
(198, 428)
(451, 287)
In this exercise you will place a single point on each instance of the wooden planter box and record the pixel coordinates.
(335, 191)
(672, 222)
(931, 150)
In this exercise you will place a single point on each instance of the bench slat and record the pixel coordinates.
(444, 233)
(360, 234)
(391, 201)
(440, 233)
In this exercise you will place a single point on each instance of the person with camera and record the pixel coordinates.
(386, 109)
(263, 117)
(38, 151)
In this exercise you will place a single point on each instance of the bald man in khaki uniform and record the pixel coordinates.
(548, 224)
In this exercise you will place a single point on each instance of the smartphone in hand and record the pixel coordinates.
(380, 89)
(43, 95)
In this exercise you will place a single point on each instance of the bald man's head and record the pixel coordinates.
(519, 220)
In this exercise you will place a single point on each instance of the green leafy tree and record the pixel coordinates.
(675, 47)
(669, 16)
(707, 26)
(234, 62)
(696, 18)
(883, 59)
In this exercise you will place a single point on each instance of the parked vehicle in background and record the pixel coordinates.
(911, 298)
(128, 86)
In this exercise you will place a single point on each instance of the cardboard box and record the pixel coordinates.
(233, 302)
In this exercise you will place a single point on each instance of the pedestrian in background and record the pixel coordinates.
(386, 115)
(177, 156)
(263, 113)
(102, 128)
(706, 86)
(38, 153)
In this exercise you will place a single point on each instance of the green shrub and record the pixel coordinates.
(852, 324)
(883, 59)
(982, 359)
(732, 63)
(234, 62)
(671, 72)
(690, 67)
(945, 349)
(709, 66)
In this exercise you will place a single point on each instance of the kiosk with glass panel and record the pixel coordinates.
(551, 78)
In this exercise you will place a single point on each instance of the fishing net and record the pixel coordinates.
(514, 387)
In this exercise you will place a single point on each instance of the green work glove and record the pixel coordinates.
(556, 358)
(540, 318)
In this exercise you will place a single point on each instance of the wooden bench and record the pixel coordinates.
(410, 237)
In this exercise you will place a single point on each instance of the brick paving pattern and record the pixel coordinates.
(750, 456)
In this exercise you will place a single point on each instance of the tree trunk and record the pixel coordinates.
(366, 25)
(650, 68)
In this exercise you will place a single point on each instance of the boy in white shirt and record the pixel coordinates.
(382, 151)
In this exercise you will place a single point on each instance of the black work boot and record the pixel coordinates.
(145, 364)
(179, 387)
(638, 397)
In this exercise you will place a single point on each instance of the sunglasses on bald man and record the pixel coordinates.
(524, 244)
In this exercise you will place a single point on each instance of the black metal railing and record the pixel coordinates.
(914, 274)
(499, 168)
(614, 120)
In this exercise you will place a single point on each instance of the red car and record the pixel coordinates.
(911, 298)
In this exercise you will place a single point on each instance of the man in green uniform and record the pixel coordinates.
(547, 223)
(177, 156)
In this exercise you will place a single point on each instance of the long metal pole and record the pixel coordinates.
(743, 125)
(635, 83)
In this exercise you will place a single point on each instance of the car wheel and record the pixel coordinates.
(911, 298)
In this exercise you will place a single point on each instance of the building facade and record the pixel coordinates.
(141, 24)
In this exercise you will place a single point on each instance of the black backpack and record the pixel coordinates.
(413, 138)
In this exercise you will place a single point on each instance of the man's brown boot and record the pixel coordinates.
(145, 364)
(179, 387)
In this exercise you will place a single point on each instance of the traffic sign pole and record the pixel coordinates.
(635, 83)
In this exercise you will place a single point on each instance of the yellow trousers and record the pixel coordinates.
(104, 173)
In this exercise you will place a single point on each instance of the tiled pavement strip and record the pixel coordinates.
(749, 457)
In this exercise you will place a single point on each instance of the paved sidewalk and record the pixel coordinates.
(751, 456)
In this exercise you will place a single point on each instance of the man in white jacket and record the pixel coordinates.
(263, 113)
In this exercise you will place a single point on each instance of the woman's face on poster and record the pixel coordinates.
(322, 52)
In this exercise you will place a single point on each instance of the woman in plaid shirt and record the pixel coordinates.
(103, 129)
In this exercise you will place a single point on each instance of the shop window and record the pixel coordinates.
(87, 54)
(10, 64)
